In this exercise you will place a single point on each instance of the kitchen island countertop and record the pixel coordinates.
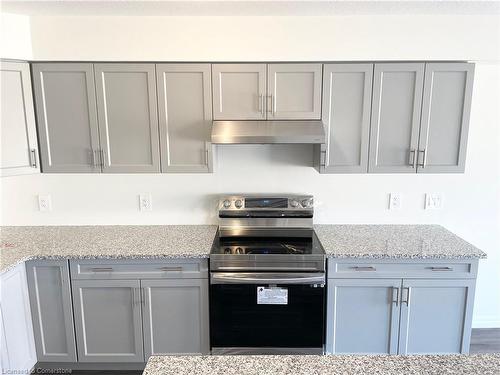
(481, 364)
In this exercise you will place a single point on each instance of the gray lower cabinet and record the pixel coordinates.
(128, 119)
(436, 316)
(108, 320)
(18, 151)
(67, 117)
(52, 311)
(445, 117)
(239, 91)
(175, 316)
(294, 91)
(363, 316)
(185, 116)
(395, 117)
(347, 98)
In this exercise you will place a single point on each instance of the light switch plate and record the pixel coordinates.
(145, 202)
(394, 201)
(433, 201)
(44, 202)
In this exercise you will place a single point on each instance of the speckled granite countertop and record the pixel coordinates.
(118, 241)
(394, 241)
(484, 364)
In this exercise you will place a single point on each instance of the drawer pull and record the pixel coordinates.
(369, 268)
(102, 269)
(441, 268)
(170, 269)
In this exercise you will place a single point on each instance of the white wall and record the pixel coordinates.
(471, 200)
(15, 36)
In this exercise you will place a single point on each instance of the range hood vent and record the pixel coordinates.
(260, 132)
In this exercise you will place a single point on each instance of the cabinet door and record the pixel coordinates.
(18, 348)
(128, 120)
(52, 311)
(185, 114)
(436, 316)
(445, 117)
(363, 316)
(67, 117)
(239, 91)
(175, 316)
(395, 119)
(347, 98)
(108, 320)
(17, 118)
(294, 91)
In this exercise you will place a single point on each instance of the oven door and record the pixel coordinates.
(260, 313)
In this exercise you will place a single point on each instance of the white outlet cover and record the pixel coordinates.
(433, 201)
(145, 202)
(395, 201)
(44, 203)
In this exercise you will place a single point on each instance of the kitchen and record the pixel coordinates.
(307, 142)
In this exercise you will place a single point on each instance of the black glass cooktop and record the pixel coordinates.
(267, 245)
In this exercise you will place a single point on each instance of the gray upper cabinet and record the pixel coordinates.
(362, 316)
(108, 320)
(347, 95)
(18, 141)
(175, 316)
(52, 311)
(185, 116)
(294, 91)
(67, 117)
(128, 119)
(395, 117)
(436, 316)
(445, 117)
(239, 91)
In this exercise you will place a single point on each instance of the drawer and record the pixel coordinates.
(422, 268)
(139, 269)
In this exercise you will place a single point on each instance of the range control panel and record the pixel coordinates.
(293, 202)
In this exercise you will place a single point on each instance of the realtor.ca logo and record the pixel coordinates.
(37, 371)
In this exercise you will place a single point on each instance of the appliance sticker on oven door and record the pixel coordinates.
(272, 296)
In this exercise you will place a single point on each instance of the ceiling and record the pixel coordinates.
(246, 8)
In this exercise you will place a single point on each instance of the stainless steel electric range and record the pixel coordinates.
(267, 277)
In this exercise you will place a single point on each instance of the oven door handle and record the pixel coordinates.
(266, 278)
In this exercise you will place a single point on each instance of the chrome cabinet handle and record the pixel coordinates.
(166, 269)
(441, 268)
(102, 269)
(273, 104)
(101, 157)
(261, 104)
(95, 158)
(424, 158)
(412, 158)
(322, 158)
(405, 296)
(395, 295)
(270, 107)
(368, 268)
(32, 158)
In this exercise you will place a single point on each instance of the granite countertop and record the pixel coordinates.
(483, 364)
(394, 241)
(19, 244)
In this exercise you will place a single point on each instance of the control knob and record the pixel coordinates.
(238, 203)
(226, 203)
(306, 203)
(294, 203)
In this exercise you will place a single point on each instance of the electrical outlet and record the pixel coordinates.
(394, 201)
(44, 203)
(145, 202)
(433, 201)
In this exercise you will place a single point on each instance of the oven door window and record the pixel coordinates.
(237, 320)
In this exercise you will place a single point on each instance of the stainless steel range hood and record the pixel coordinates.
(244, 132)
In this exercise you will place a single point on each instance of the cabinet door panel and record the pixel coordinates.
(185, 115)
(175, 316)
(108, 320)
(397, 99)
(239, 91)
(347, 92)
(445, 117)
(17, 118)
(362, 316)
(67, 117)
(436, 317)
(128, 120)
(295, 91)
(52, 311)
